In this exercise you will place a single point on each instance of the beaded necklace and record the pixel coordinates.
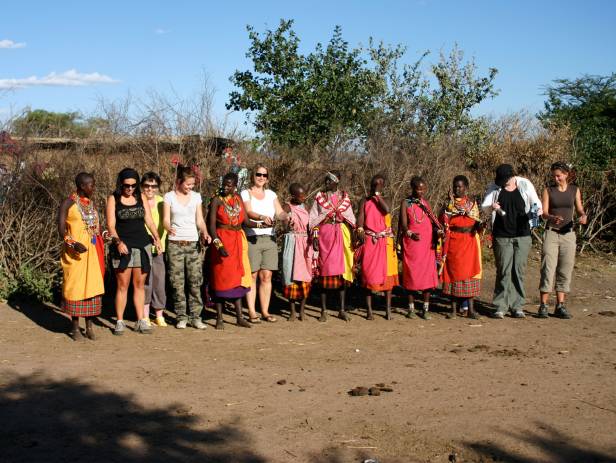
(88, 214)
(232, 210)
(413, 209)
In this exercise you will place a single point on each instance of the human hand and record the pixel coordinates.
(171, 231)
(583, 219)
(122, 248)
(78, 247)
(267, 221)
(223, 252)
(205, 238)
(159, 246)
(413, 236)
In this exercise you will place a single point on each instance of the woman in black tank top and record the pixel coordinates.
(558, 252)
(127, 214)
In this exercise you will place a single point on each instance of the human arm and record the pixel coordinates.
(68, 240)
(211, 221)
(382, 203)
(579, 208)
(360, 233)
(280, 213)
(167, 218)
(111, 225)
(267, 221)
(545, 206)
(201, 224)
(149, 221)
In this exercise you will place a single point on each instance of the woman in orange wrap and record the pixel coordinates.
(229, 266)
(462, 249)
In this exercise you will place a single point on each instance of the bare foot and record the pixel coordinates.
(220, 325)
(243, 323)
(344, 316)
(323, 317)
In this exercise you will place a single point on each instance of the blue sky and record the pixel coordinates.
(65, 55)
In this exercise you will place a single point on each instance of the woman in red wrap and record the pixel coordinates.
(229, 266)
(462, 250)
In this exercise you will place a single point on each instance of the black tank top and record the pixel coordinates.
(130, 224)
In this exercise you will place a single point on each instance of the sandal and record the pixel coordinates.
(255, 320)
(270, 319)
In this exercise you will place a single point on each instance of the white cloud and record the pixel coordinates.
(161, 31)
(6, 43)
(70, 78)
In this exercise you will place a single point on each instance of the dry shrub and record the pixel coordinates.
(518, 139)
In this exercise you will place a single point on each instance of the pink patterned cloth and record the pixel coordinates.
(302, 255)
(419, 257)
(330, 215)
(374, 257)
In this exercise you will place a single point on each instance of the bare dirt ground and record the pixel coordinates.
(491, 390)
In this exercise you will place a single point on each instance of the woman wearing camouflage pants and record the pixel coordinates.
(183, 220)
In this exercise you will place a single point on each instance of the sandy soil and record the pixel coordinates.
(491, 390)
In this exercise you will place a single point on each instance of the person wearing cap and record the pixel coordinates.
(513, 200)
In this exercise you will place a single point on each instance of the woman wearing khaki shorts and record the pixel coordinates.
(263, 207)
(558, 256)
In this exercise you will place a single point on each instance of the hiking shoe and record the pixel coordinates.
(561, 312)
(543, 311)
(498, 315)
(181, 325)
(160, 321)
(198, 324)
(518, 314)
(119, 328)
(142, 327)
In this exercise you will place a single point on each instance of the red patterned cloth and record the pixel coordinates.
(85, 308)
(297, 290)
(463, 288)
(331, 282)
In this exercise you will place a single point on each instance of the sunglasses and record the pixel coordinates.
(259, 174)
(129, 186)
(149, 185)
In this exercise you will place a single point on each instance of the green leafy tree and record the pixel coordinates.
(588, 106)
(305, 99)
(41, 123)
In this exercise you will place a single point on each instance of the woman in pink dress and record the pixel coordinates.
(331, 224)
(297, 253)
(377, 253)
(418, 232)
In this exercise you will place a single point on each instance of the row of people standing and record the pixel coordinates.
(321, 249)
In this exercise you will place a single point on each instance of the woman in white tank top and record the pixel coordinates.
(262, 206)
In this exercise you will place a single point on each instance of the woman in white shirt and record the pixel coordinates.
(183, 220)
(263, 207)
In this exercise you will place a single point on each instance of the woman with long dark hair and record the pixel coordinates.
(128, 213)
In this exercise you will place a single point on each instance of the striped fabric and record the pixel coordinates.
(297, 290)
(463, 288)
(331, 282)
(84, 308)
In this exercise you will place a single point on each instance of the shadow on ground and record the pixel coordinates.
(554, 446)
(64, 421)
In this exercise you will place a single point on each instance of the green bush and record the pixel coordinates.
(30, 283)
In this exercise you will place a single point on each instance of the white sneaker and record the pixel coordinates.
(181, 325)
(198, 324)
(119, 328)
(143, 327)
